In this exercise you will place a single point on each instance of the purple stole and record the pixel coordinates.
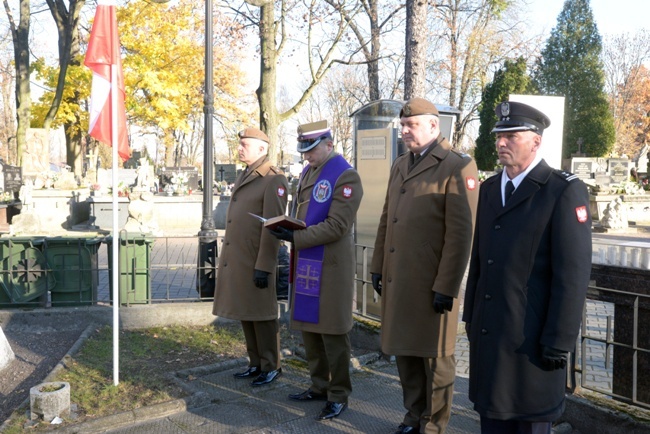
(309, 266)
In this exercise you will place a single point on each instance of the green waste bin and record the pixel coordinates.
(24, 279)
(134, 254)
(73, 262)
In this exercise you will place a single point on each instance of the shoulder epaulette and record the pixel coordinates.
(461, 154)
(567, 176)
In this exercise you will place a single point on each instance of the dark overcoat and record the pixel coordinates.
(261, 190)
(335, 233)
(422, 246)
(526, 287)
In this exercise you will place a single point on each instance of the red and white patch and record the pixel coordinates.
(581, 214)
(347, 191)
(470, 183)
(281, 191)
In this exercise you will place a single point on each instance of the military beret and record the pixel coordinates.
(310, 135)
(417, 107)
(517, 116)
(253, 133)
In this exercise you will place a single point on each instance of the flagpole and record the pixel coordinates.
(116, 235)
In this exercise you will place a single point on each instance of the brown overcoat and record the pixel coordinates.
(335, 232)
(422, 246)
(261, 190)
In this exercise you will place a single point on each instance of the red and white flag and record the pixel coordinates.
(104, 53)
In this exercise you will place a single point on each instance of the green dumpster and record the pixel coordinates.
(134, 254)
(24, 280)
(73, 262)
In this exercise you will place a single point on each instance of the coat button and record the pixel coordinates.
(403, 191)
(229, 221)
(394, 220)
(490, 261)
(497, 227)
(227, 243)
(234, 199)
(483, 331)
(488, 297)
(390, 279)
(392, 249)
(225, 264)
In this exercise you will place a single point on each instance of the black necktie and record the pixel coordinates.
(510, 188)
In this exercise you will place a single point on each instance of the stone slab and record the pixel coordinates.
(6, 353)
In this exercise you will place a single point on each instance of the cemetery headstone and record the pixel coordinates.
(619, 169)
(225, 172)
(583, 167)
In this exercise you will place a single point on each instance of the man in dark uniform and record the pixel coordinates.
(245, 287)
(528, 277)
(327, 199)
(421, 252)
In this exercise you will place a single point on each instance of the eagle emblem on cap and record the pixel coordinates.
(505, 109)
(406, 110)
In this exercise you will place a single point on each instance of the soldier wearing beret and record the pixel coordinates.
(327, 199)
(421, 251)
(527, 282)
(245, 286)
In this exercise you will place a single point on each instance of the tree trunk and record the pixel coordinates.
(67, 26)
(375, 47)
(416, 49)
(268, 76)
(20, 37)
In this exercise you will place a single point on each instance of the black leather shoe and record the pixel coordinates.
(308, 395)
(252, 371)
(267, 377)
(332, 409)
(405, 429)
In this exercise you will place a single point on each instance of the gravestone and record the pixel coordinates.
(225, 172)
(583, 167)
(603, 179)
(192, 173)
(619, 169)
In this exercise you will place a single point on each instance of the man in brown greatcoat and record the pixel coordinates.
(328, 197)
(421, 253)
(245, 287)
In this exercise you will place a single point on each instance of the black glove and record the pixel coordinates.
(468, 326)
(442, 302)
(282, 233)
(261, 278)
(553, 358)
(376, 282)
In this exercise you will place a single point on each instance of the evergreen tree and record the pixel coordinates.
(570, 66)
(512, 78)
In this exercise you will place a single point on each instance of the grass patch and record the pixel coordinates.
(146, 358)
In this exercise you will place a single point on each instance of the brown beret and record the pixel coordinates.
(417, 107)
(253, 133)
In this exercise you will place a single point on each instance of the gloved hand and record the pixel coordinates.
(376, 282)
(553, 358)
(261, 278)
(442, 302)
(468, 327)
(282, 233)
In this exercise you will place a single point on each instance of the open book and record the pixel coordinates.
(281, 220)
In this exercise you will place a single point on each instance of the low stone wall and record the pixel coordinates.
(65, 209)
